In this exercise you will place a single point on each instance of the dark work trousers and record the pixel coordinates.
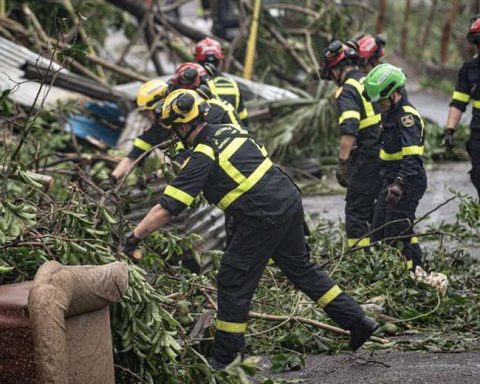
(254, 242)
(230, 227)
(473, 148)
(364, 183)
(401, 216)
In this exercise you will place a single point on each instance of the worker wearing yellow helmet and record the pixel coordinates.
(150, 96)
(233, 172)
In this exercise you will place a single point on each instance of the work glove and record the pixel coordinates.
(143, 182)
(130, 247)
(341, 173)
(394, 192)
(448, 138)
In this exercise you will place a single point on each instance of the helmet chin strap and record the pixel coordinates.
(184, 139)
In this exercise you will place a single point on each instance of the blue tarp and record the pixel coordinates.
(84, 126)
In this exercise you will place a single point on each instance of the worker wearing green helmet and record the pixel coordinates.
(404, 177)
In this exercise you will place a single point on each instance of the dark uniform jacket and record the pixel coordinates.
(466, 89)
(234, 173)
(357, 116)
(220, 112)
(228, 90)
(402, 144)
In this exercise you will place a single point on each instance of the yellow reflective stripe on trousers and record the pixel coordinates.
(248, 184)
(348, 115)
(460, 96)
(329, 296)
(227, 326)
(206, 150)
(143, 145)
(179, 195)
(409, 264)
(476, 103)
(372, 118)
(358, 242)
(414, 240)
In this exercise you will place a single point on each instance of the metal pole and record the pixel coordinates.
(252, 42)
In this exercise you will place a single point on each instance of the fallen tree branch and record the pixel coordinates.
(299, 319)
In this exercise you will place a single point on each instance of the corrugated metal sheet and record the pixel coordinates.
(12, 57)
(258, 90)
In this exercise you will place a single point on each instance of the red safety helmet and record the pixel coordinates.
(370, 49)
(189, 76)
(473, 35)
(208, 50)
(335, 55)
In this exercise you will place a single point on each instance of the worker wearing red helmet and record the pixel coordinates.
(468, 89)
(359, 166)
(209, 54)
(369, 51)
(193, 76)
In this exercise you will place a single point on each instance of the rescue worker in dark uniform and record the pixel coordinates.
(359, 165)
(369, 51)
(149, 96)
(404, 177)
(466, 89)
(235, 174)
(209, 53)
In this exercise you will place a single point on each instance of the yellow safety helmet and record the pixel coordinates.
(150, 93)
(183, 106)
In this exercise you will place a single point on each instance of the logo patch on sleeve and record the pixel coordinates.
(407, 120)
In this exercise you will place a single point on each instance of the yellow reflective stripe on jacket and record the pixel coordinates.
(390, 156)
(369, 121)
(348, 115)
(206, 150)
(226, 165)
(227, 107)
(143, 145)
(227, 326)
(358, 242)
(329, 296)
(179, 195)
(413, 150)
(230, 89)
(179, 145)
(409, 264)
(460, 96)
(243, 114)
(248, 184)
(371, 118)
(413, 111)
(476, 103)
(406, 151)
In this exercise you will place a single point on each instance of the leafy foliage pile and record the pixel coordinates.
(151, 325)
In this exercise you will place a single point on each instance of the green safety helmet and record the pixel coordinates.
(382, 81)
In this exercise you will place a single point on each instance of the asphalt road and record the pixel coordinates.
(387, 367)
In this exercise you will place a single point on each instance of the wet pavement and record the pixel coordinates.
(387, 367)
(443, 178)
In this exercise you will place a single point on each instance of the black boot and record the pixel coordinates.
(361, 331)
